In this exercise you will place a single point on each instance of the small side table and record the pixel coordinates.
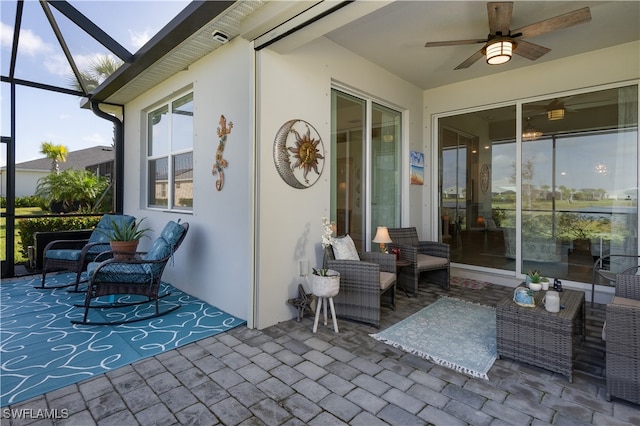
(399, 265)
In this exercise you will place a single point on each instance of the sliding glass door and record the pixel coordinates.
(365, 165)
(555, 198)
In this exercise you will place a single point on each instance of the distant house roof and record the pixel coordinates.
(77, 160)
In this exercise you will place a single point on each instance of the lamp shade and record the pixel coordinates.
(382, 235)
(555, 114)
(499, 51)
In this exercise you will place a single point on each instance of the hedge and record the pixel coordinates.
(28, 227)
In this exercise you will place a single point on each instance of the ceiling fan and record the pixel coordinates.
(502, 41)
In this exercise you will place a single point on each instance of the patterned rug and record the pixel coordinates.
(450, 332)
(468, 283)
(42, 351)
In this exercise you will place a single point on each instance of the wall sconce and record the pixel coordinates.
(499, 50)
(555, 114)
(382, 237)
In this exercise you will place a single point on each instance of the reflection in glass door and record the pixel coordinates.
(365, 167)
(349, 118)
(477, 187)
(571, 196)
(385, 168)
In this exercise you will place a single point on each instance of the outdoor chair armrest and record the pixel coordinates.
(407, 252)
(386, 261)
(356, 272)
(434, 248)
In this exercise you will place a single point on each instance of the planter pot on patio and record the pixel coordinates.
(325, 286)
(125, 247)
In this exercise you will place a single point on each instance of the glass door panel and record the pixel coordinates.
(477, 187)
(349, 121)
(365, 167)
(579, 182)
(385, 168)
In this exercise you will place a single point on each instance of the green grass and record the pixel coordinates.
(21, 211)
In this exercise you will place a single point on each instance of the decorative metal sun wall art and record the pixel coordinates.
(298, 153)
(221, 163)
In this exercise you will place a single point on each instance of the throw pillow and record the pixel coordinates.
(344, 248)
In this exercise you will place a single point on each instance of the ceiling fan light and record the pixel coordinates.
(499, 51)
(530, 133)
(555, 114)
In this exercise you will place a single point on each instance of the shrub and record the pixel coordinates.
(29, 201)
(28, 227)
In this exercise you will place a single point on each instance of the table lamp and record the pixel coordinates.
(382, 238)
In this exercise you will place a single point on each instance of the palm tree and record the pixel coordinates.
(55, 153)
(100, 68)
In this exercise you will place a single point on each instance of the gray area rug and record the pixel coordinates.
(450, 332)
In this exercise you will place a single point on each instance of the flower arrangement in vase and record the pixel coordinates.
(324, 281)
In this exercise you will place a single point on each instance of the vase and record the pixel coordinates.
(125, 247)
(325, 286)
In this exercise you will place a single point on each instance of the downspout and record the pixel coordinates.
(118, 127)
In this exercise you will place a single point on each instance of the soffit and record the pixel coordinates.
(245, 18)
(179, 58)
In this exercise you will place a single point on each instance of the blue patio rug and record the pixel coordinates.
(454, 333)
(40, 350)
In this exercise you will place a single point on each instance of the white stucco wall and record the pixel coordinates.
(298, 86)
(616, 64)
(216, 259)
(26, 182)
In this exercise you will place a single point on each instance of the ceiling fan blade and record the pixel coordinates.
(556, 23)
(470, 60)
(530, 50)
(499, 17)
(453, 42)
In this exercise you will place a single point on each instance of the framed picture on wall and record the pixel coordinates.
(416, 165)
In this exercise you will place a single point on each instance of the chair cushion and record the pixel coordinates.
(104, 228)
(624, 301)
(427, 262)
(119, 273)
(63, 254)
(344, 248)
(165, 244)
(387, 279)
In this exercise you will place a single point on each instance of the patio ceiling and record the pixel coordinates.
(392, 34)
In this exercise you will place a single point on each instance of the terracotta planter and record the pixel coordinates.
(325, 286)
(125, 247)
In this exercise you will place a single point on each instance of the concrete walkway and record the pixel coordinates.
(287, 375)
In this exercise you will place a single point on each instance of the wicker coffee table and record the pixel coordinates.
(537, 337)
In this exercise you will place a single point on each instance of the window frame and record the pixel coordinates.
(167, 154)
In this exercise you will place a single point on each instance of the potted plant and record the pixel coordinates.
(125, 238)
(533, 280)
(544, 282)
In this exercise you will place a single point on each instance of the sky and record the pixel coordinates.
(44, 116)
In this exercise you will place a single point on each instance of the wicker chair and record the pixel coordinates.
(430, 257)
(138, 276)
(74, 255)
(622, 340)
(608, 266)
(364, 284)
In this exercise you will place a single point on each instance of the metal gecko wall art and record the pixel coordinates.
(221, 163)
